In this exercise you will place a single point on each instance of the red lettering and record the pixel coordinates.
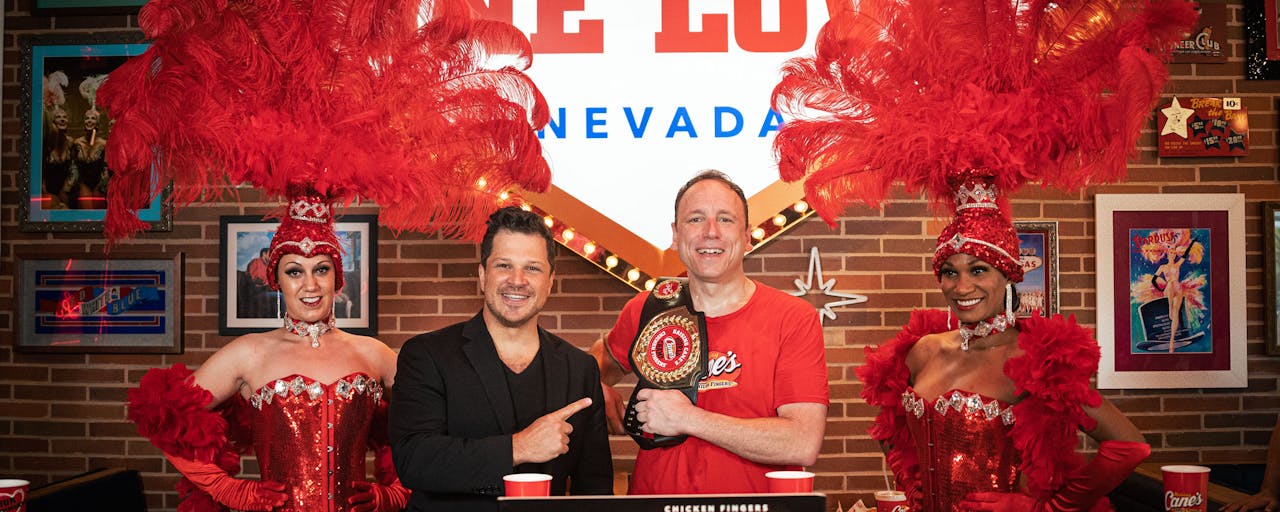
(677, 36)
(748, 26)
(497, 10)
(551, 37)
(726, 363)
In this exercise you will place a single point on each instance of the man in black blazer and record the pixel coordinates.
(497, 394)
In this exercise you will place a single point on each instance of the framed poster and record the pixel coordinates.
(1171, 291)
(64, 176)
(248, 304)
(79, 302)
(85, 7)
(1271, 244)
(1038, 252)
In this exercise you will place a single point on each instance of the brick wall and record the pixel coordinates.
(63, 414)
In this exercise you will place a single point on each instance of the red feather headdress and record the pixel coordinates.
(414, 105)
(920, 91)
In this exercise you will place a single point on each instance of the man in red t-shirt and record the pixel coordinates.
(763, 405)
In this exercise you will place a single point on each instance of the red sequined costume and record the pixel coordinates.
(310, 436)
(941, 455)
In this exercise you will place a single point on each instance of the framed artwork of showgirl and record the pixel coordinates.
(1171, 305)
(64, 176)
(1271, 244)
(248, 304)
(1038, 252)
(78, 301)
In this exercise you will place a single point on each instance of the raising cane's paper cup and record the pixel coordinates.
(1186, 488)
(13, 495)
(790, 481)
(528, 484)
(891, 501)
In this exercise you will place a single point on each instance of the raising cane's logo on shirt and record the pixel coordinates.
(722, 371)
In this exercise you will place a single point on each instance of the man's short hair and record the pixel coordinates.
(516, 220)
(712, 174)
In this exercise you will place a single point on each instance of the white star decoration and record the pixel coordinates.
(1177, 119)
(815, 269)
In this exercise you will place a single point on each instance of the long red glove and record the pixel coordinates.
(1113, 463)
(237, 493)
(373, 497)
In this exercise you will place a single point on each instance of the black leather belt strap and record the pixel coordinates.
(668, 352)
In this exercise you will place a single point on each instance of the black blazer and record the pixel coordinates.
(452, 419)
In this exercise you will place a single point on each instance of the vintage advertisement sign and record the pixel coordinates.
(1208, 40)
(1203, 127)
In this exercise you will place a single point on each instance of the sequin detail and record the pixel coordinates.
(345, 388)
(959, 401)
(313, 438)
(963, 443)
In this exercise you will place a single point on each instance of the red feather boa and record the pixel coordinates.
(170, 411)
(1059, 357)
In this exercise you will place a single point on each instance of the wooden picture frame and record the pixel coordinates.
(63, 178)
(79, 301)
(246, 305)
(1171, 304)
(1038, 252)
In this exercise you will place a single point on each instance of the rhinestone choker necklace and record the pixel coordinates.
(997, 324)
(308, 329)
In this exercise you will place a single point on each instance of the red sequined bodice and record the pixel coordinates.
(313, 437)
(964, 446)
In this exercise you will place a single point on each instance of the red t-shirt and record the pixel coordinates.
(762, 356)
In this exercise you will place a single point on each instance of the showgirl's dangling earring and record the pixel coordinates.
(1008, 301)
(279, 299)
(948, 317)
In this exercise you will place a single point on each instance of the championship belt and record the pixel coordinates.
(669, 352)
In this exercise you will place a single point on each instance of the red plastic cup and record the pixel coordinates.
(528, 484)
(790, 481)
(13, 495)
(891, 501)
(1186, 488)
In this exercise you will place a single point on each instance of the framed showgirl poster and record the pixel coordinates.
(75, 301)
(1038, 252)
(64, 176)
(247, 302)
(1170, 291)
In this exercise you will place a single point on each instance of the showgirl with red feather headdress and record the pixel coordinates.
(416, 106)
(968, 101)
